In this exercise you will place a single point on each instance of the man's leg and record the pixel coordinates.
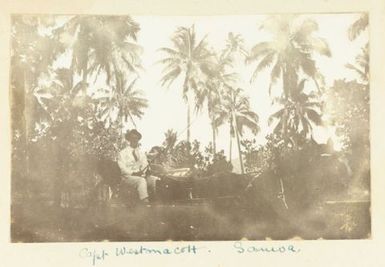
(151, 183)
(139, 183)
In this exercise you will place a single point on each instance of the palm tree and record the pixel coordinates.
(362, 65)
(358, 26)
(58, 94)
(103, 43)
(32, 56)
(121, 104)
(187, 58)
(234, 44)
(291, 50)
(299, 112)
(236, 110)
(170, 138)
(209, 93)
(362, 60)
(218, 79)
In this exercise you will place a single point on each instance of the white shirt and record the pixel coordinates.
(127, 163)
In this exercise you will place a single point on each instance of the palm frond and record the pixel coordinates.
(306, 126)
(249, 121)
(201, 47)
(171, 51)
(314, 116)
(362, 74)
(307, 27)
(276, 115)
(320, 46)
(275, 74)
(358, 26)
(260, 50)
(264, 63)
(308, 65)
(171, 76)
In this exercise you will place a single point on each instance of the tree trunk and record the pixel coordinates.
(290, 80)
(188, 121)
(231, 147)
(132, 120)
(214, 140)
(239, 145)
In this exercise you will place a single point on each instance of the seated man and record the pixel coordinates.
(134, 167)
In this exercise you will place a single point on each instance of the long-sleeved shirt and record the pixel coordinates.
(127, 162)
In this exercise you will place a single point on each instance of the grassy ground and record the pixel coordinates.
(38, 222)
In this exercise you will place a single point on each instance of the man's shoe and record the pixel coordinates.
(145, 202)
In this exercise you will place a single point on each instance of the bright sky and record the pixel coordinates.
(166, 107)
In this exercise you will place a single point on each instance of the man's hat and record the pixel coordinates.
(132, 133)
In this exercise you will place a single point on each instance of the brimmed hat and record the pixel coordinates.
(132, 133)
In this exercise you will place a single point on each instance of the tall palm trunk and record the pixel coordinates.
(231, 139)
(132, 120)
(187, 99)
(239, 145)
(230, 149)
(214, 139)
(188, 121)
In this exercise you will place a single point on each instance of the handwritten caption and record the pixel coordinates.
(95, 256)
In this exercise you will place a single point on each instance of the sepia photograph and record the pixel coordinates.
(190, 128)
